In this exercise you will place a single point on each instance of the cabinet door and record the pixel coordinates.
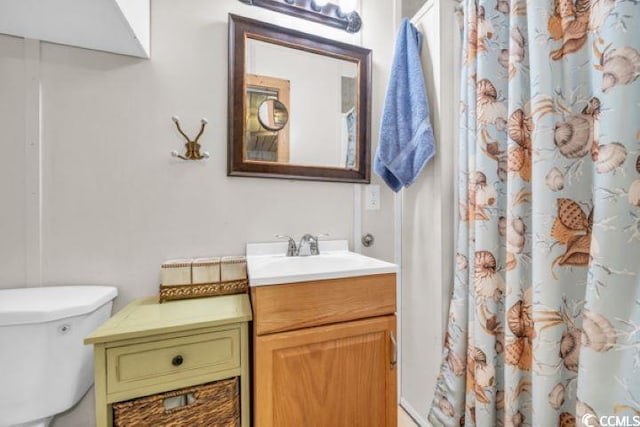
(328, 376)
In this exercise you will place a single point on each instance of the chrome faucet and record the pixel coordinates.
(291, 248)
(308, 246)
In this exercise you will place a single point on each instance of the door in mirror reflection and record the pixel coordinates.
(309, 105)
(267, 134)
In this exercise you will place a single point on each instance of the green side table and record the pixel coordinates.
(148, 348)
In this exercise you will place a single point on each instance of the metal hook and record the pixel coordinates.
(192, 146)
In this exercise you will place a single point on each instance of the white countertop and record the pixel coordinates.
(267, 263)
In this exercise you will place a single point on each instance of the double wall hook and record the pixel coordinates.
(192, 146)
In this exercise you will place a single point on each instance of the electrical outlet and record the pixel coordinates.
(372, 197)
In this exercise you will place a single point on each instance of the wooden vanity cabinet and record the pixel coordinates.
(325, 353)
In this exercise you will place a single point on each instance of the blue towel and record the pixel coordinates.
(406, 136)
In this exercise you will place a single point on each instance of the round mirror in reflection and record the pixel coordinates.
(273, 114)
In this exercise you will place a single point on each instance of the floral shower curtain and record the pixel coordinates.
(544, 322)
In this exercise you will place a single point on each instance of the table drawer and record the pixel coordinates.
(167, 360)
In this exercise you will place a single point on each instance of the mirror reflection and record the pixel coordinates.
(273, 114)
(301, 107)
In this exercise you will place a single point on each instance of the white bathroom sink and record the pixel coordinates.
(267, 263)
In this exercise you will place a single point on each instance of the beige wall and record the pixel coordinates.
(12, 132)
(114, 203)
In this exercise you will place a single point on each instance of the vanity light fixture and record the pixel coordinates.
(342, 15)
(317, 5)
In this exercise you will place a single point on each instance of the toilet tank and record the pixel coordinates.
(44, 367)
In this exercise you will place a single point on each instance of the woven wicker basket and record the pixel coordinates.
(215, 404)
(177, 292)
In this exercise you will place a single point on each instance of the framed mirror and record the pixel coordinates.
(299, 105)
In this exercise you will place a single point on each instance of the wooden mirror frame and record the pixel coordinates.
(241, 29)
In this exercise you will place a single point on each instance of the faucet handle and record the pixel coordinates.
(291, 248)
(315, 247)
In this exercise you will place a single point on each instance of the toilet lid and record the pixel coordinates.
(45, 304)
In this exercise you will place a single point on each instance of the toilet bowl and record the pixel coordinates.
(45, 368)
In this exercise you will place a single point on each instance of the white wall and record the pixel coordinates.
(411, 7)
(109, 25)
(136, 13)
(114, 203)
(428, 216)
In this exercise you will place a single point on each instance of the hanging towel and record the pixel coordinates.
(406, 136)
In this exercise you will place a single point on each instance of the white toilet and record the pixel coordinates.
(44, 366)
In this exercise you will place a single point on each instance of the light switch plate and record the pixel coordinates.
(372, 197)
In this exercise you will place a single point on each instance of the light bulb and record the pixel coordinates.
(348, 6)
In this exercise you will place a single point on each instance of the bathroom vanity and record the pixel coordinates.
(149, 348)
(324, 345)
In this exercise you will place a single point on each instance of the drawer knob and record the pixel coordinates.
(177, 361)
